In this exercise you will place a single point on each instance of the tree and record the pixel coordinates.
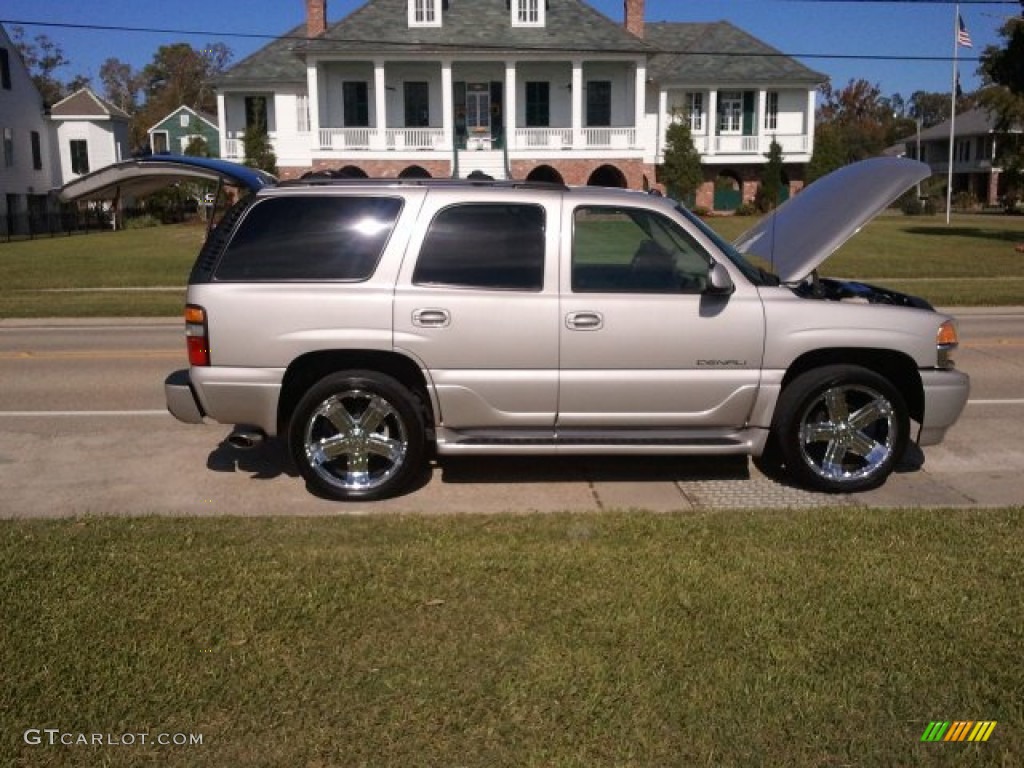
(770, 191)
(933, 108)
(256, 145)
(828, 153)
(43, 57)
(1003, 68)
(681, 170)
(121, 84)
(859, 116)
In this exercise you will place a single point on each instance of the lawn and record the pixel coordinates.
(971, 262)
(824, 638)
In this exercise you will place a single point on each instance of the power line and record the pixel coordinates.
(484, 47)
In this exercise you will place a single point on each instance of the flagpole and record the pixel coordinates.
(952, 111)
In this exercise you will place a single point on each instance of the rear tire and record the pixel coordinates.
(841, 429)
(357, 436)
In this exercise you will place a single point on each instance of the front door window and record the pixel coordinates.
(478, 108)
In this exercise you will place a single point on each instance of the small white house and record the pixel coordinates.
(90, 133)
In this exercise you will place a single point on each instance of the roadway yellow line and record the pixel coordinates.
(97, 354)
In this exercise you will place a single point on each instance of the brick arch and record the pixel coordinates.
(545, 173)
(414, 172)
(608, 176)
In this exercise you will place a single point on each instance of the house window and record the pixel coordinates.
(599, 103)
(183, 120)
(730, 112)
(694, 114)
(417, 105)
(528, 13)
(538, 105)
(79, 156)
(256, 113)
(8, 147)
(963, 150)
(424, 13)
(771, 111)
(356, 104)
(37, 151)
(5, 69)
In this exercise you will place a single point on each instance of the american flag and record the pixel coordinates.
(963, 37)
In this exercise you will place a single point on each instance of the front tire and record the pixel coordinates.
(841, 429)
(357, 436)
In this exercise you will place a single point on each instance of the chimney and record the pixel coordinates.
(316, 17)
(635, 17)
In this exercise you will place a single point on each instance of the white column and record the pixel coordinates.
(222, 123)
(664, 121)
(577, 104)
(380, 106)
(510, 104)
(759, 131)
(640, 104)
(811, 103)
(447, 105)
(313, 97)
(712, 120)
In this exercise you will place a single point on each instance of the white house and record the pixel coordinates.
(90, 134)
(527, 89)
(28, 167)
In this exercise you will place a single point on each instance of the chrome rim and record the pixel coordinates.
(848, 433)
(356, 440)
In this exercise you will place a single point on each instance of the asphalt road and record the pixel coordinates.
(83, 430)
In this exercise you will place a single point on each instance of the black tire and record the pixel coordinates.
(841, 429)
(357, 436)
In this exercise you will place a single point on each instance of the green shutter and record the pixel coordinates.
(748, 113)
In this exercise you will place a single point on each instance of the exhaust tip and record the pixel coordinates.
(246, 439)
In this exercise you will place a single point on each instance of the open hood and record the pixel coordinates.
(144, 175)
(810, 227)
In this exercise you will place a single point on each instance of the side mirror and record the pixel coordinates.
(719, 281)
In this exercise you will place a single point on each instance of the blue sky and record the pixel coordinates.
(917, 28)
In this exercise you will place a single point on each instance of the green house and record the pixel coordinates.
(185, 128)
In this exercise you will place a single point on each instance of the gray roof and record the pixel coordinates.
(85, 103)
(273, 63)
(974, 122)
(719, 52)
(473, 25)
(678, 53)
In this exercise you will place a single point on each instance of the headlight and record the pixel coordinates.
(946, 340)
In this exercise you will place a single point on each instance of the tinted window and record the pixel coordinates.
(310, 238)
(493, 246)
(632, 250)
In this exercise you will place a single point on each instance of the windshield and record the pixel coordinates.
(756, 275)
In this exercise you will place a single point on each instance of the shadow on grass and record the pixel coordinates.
(979, 233)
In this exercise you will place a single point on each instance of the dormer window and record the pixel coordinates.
(424, 13)
(528, 13)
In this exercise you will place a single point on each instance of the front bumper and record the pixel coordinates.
(945, 395)
(182, 401)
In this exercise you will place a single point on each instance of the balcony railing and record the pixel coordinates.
(792, 144)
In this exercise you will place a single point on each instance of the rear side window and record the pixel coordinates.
(493, 246)
(310, 238)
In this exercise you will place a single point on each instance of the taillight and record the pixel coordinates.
(946, 340)
(197, 335)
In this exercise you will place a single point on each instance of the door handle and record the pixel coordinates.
(431, 318)
(584, 321)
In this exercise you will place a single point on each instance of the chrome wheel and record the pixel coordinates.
(840, 428)
(355, 440)
(847, 433)
(357, 436)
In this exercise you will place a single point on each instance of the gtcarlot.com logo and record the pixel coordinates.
(958, 730)
(53, 737)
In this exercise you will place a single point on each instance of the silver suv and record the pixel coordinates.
(373, 323)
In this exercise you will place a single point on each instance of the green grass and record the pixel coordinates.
(36, 275)
(826, 638)
(970, 263)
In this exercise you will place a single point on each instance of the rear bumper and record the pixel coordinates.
(945, 395)
(182, 401)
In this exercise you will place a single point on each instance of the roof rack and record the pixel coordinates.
(328, 181)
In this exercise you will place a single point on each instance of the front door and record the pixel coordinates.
(478, 110)
(641, 345)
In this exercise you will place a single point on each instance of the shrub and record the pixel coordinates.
(142, 222)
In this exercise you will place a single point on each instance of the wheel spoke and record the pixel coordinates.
(871, 451)
(832, 461)
(377, 411)
(868, 414)
(334, 411)
(386, 447)
(835, 402)
(818, 432)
